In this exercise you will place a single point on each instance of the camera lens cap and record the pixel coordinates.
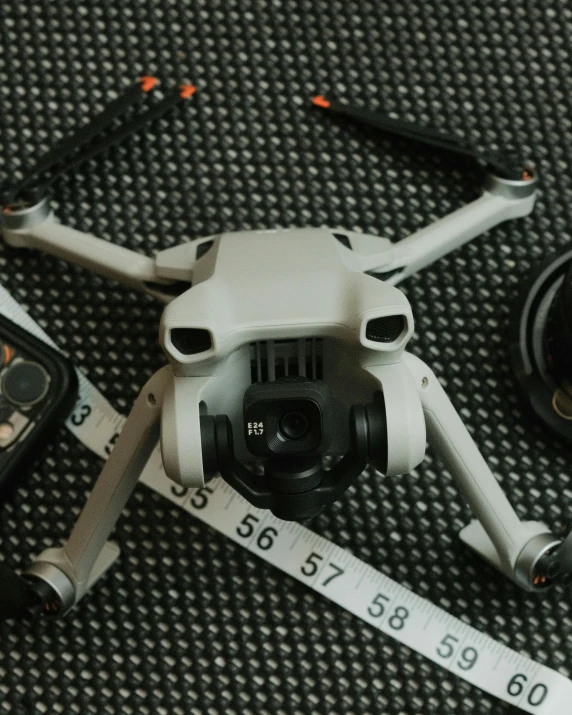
(541, 343)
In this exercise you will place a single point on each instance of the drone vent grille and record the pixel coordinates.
(272, 360)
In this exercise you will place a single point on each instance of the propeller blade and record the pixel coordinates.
(408, 130)
(507, 164)
(84, 144)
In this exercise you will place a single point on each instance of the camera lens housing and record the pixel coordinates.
(293, 425)
(559, 329)
(541, 341)
(295, 487)
(25, 383)
(287, 417)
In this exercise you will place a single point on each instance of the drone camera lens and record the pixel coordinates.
(294, 425)
(25, 383)
(287, 418)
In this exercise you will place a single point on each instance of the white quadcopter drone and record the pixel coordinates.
(285, 347)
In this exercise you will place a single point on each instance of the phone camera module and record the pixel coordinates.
(25, 383)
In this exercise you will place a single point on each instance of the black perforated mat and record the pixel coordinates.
(188, 622)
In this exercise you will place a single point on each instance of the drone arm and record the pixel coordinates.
(37, 228)
(502, 200)
(71, 570)
(85, 250)
(501, 537)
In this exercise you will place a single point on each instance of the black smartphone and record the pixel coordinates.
(38, 389)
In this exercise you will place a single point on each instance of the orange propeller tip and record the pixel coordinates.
(320, 101)
(187, 90)
(147, 83)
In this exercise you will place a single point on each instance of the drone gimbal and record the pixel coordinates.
(286, 347)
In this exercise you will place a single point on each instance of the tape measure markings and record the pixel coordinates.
(373, 597)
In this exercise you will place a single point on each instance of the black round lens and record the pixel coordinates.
(559, 329)
(294, 425)
(25, 383)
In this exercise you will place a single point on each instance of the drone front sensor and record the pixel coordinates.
(386, 329)
(190, 341)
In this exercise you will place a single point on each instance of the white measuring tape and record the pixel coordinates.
(329, 569)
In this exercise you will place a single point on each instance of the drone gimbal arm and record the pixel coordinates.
(502, 199)
(514, 547)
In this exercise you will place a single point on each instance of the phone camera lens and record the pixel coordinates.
(294, 425)
(25, 383)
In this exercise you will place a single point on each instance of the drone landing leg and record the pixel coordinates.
(72, 569)
(512, 546)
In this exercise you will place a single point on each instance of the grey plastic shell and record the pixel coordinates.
(280, 285)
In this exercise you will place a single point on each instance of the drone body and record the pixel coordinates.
(287, 355)
(282, 308)
(286, 347)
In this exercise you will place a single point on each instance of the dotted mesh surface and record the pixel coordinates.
(188, 622)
